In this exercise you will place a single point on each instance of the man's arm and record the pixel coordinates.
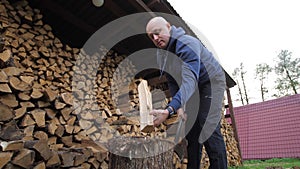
(188, 51)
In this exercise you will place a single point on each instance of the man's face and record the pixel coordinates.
(159, 33)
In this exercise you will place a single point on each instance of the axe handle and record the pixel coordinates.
(179, 128)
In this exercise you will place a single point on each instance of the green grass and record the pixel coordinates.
(287, 163)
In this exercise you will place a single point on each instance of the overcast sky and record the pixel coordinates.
(248, 31)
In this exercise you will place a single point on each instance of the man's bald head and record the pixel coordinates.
(158, 30)
(156, 20)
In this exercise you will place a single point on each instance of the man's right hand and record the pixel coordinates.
(160, 115)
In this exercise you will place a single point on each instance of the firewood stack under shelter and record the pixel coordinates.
(59, 106)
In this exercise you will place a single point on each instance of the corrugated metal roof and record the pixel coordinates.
(270, 129)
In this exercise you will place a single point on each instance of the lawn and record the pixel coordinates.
(286, 163)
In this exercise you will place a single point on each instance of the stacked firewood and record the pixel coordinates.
(38, 124)
(233, 156)
(60, 106)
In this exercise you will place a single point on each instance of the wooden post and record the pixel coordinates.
(233, 122)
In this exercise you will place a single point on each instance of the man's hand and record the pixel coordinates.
(181, 114)
(160, 116)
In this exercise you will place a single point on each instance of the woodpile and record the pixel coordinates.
(59, 106)
(233, 156)
(38, 125)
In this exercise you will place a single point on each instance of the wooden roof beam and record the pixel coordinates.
(114, 8)
(152, 3)
(141, 6)
(67, 16)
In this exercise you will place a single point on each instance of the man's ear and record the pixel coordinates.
(169, 26)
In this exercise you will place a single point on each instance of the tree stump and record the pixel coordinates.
(140, 153)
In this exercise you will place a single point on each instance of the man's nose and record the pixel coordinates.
(155, 37)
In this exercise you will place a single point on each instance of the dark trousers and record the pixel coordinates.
(211, 96)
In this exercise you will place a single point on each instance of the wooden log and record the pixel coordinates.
(132, 153)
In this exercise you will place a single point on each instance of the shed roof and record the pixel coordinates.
(75, 21)
(270, 129)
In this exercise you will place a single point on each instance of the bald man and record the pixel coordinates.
(196, 81)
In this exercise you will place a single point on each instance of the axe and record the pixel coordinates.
(180, 148)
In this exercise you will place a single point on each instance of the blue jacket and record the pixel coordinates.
(190, 67)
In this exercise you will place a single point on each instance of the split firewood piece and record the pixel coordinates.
(27, 104)
(19, 85)
(36, 94)
(12, 71)
(67, 159)
(10, 131)
(67, 98)
(145, 100)
(10, 100)
(41, 165)
(27, 79)
(5, 157)
(53, 161)
(43, 149)
(41, 135)
(25, 158)
(12, 145)
(5, 56)
(52, 128)
(20, 112)
(24, 96)
(59, 105)
(42, 104)
(85, 124)
(5, 88)
(3, 77)
(39, 117)
(27, 121)
(51, 95)
(6, 112)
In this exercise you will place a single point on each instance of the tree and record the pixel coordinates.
(242, 73)
(236, 74)
(288, 71)
(262, 71)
